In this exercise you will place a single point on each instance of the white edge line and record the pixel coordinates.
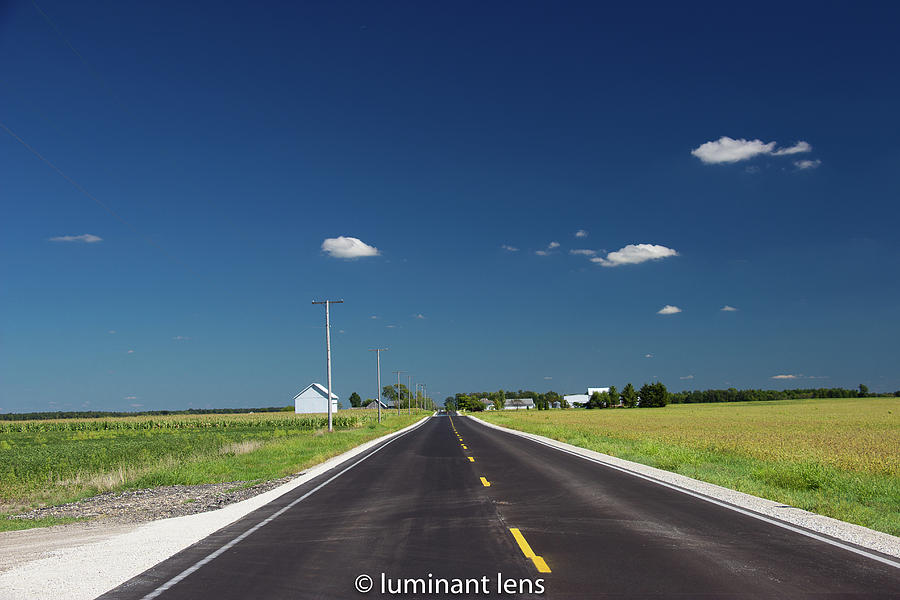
(536, 439)
(211, 557)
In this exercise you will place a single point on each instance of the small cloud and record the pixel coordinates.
(546, 251)
(795, 149)
(668, 309)
(730, 150)
(509, 248)
(340, 331)
(687, 377)
(374, 317)
(130, 398)
(581, 233)
(348, 247)
(420, 316)
(85, 238)
(802, 165)
(728, 308)
(788, 376)
(111, 332)
(181, 338)
(548, 378)
(648, 355)
(583, 252)
(391, 326)
(135, 405)
(541, 252)
(130, 352)
(634, 254)
(552, 245)
(752, 169)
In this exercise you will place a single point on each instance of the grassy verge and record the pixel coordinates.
(49, 464)
(839, 458)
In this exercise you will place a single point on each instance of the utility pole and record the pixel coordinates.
(398, 390)
(425, 396)
(327, 304)
(408, 384)
(378, 352)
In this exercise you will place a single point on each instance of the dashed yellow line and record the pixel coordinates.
(465, 447)
(528, 552)
(486, 483)
(471, 458)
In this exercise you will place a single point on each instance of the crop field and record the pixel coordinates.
(57, 461)
(836, 457)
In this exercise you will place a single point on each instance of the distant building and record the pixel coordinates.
(375, 403)
(313, 400)
(582, 399)
(518, 404)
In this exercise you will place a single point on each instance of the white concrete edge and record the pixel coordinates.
(87, 571)
(743, 502)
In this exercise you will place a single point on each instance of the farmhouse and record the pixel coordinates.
(582, 399)
(518, 404)
(375, 403)
(313, 400)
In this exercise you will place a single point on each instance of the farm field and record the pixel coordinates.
(52, 462)
(835, 457)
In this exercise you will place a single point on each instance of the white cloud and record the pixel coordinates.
(687, 377)
(789, 376)
(548, 378)
(795, 149)
(130, 398)
(86, 238)
(729, 150)
(111, 332)
(547, 250)
(374, 317)
(648, 355)
(802, 165)
(509, 248)
(420, 316)
(728, 308)
(583, 252)
(541, 252)
(552, 245)
(348, 247)
(668, 309)
(633, 254)
(130, 352)
(181, 338)
(391, 326)
(135, 405)
(581, 233)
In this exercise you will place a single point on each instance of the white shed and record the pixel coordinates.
(313, 400)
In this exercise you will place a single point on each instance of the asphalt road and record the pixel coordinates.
(455, 500)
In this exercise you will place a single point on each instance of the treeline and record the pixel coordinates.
(100, 414)
(751, 395)
(476, 402)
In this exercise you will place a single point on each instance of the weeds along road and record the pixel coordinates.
(454, 500)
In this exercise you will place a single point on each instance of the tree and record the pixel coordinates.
(597, 400)
(863, 390)
(450, 403)
(613, 396)
(498, 404)
(654, 394)
(355, 400)
(628, 396)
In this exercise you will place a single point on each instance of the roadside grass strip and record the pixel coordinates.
(538, 561)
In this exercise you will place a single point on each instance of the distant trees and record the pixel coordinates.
(863, 390)
(753, 395)
(653, 395)
(355, 400)
(629, 396)
(613, 396)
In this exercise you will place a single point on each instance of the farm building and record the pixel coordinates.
(518, 404)
(313, 400)
(582, 399)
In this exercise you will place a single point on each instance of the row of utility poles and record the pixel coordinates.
(377, 352)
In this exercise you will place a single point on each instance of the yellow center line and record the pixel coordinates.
(528, 552)
(485, 482)
(465, 447)
(471, 458)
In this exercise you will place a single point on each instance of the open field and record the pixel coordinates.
(836, 457)
(57, 461)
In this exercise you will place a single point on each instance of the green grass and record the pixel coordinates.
(44, 463)
(836, 457)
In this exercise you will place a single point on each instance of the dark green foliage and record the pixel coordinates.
(653, 395)
(735, 395)
(355, 400)
(628, 396)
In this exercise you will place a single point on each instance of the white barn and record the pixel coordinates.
(313, 400)
(582, 399)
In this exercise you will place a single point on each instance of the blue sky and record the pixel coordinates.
(751, 150)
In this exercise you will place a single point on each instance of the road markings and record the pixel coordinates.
(486, 483)
(471, 458)
(165, 586)
(465, 447)
(528, 552)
